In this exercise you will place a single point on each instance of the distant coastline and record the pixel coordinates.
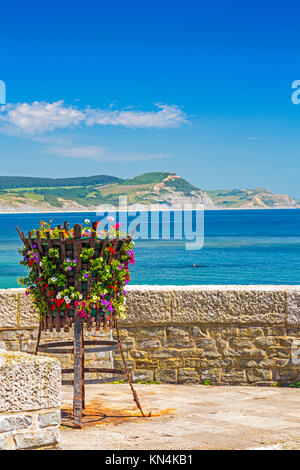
(140, 210)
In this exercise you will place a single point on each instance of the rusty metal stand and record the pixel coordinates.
(78, 372)
(79, 346)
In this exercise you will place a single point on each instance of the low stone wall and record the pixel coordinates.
(189, 334)
(30, 398)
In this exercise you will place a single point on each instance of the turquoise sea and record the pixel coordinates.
(241, 247)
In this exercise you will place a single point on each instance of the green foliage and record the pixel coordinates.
(147, 178)
(296, 385)
(180, 184)
(87, 253)
(207, 382)
(53, 253)
(31, 182)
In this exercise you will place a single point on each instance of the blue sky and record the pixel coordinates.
(201, 88)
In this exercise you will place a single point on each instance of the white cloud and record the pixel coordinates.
(167, 116)
(99, 154)
(40, 117)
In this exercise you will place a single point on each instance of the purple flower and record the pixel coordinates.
(34, 246)
(86, 275)
(69, 268)
(74, 260)
(68, 260)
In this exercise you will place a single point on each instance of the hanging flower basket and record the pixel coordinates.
(79, 271)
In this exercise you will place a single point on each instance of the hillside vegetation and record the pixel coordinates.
(93, 192)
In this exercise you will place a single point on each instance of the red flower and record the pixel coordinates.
(68, 305)
(46, 285)
(50, 292)
(111, 250)
(53, 307)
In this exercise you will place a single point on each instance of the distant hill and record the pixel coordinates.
(257, 198)
(162, 189)
(7, 182)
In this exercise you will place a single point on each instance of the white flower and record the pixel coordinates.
(72, 295)
(80, 296)
(58, 296)
(110, 218)
(87, 221)
(53, 279)
(94, 297)
(41, 264)
(67, 300)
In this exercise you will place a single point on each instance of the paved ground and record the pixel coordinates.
(185, 417)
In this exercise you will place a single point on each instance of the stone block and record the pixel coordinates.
(241, 343)
(27, 316)
(14, 422)
(166, 375)
(164, 353)
(9, 308)
(175, 332)
(199, 332)
(213, 375)
(266, 342)
(233, 376)
(228, 304)
(147, 305)
(29, 382)
(251, 332)
(142, 374)
(37, 439)
(293, 306)
(275, 331)
(205, 343)
(259, 375)
(148, 343)
(188, 376)
(179, 342)
(52, 418)
(139, 354)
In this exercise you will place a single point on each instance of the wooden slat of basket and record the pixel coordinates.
(23, 237)
(49, 241)
(57, 321)
(98, 318)
(62, 246)
(104, 243)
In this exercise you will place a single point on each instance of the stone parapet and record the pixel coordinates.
(188, 334)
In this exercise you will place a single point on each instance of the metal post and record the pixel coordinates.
(78, 371)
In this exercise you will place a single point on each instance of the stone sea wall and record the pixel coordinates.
(188, 334)
(30, 399)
